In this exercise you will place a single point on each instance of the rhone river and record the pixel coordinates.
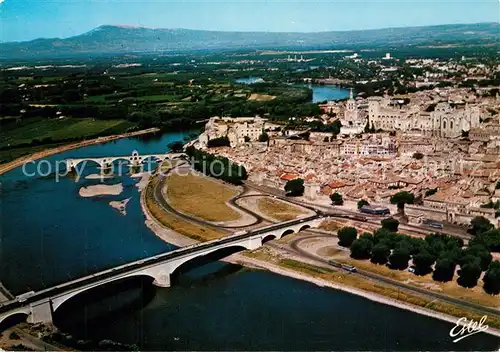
(49, 234)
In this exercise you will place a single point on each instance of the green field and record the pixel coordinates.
(157, 98)
(60, 130)
(11, 154)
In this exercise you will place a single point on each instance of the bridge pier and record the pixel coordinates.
(106, 168)
(254, 243)
(41, 312)
(162, 280)
(70, 167)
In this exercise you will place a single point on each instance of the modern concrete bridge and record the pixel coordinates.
(39, 306)
(135, 159)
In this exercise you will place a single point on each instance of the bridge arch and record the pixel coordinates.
(217, 254)
(150, 159)
(74, 164)
(13, 318)
(268, 237)
(60, 300)
(304, 227)
(287, 232)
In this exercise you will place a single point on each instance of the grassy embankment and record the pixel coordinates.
(38, 134)
(450, 288)
(355, 281)
(201, 197)
(173, 222)
(278, 210)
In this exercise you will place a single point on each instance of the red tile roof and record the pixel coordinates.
(288, 176)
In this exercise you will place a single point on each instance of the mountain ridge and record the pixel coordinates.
(116, 39)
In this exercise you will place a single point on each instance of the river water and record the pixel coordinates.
(325, 93)
(320, 92)
(49, 234)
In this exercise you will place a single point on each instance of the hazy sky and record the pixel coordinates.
(29, 19)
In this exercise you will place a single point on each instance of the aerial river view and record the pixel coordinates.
(320, 92)
(51, 234)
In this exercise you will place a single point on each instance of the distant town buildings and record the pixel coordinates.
(442, 145)
(238, 130)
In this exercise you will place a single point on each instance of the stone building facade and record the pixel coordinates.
(353, 122)
(235, 129)
(445, 121)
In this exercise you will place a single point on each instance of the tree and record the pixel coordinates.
(367, 236)
(380, 253)
(361, 248)
(480, 252)
(264, 137)
(492, 279)
(479, 225)
(336, 199)
(362, 203)
(418, 156)
(439, 243)
(444, 269)
(469, 273)
(176, 146)
(489, 239)
(423, 262)
(381, 235)
(430, 192)
(367, 127)
(71, 95)
(400, 257)
(219, 142)
(390, 224)
(295, 188)
(246, 139)
(402, 198)
(497, 186)
(347, 235)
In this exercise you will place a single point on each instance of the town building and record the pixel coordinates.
(444, 121)
(238, 129)
(352, 122)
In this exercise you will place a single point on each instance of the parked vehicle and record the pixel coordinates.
(335, 264)
(374, 210)
(433, 223)
(349, 268)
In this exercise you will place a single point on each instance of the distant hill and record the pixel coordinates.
(110, 39)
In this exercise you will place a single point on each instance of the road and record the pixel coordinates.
(342, 213)
(160, 199)
(294, 246)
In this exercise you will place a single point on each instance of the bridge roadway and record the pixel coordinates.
(81, 283)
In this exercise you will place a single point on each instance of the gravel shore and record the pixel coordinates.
(101, 190)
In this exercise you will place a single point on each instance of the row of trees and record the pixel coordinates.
(217, 166)
(437, 253)
(399, 199)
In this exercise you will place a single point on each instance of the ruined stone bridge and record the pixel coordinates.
(135, 159)
(39, 306)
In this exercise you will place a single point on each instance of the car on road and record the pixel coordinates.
(411, 270)
(349, 268)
